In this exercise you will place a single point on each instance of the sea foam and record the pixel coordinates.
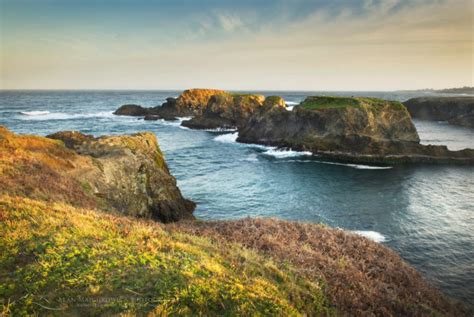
(372, 235)
(46, 115)
(285, 153)
(227, 138)
(35, 113)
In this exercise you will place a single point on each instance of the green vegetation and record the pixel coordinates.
(331, 102)
(55, 258)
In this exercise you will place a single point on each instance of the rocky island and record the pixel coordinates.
(349, 129)
(82, 220)
(362, 130)
(454, 110)
(190, 103)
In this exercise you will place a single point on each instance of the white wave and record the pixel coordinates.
(181, 119)
(358, 166)
(221, 130)
(372, 235)
(34, 113)
(227, 138)
(66, 116)
(176, 123)
(290, 105)
(283, 153)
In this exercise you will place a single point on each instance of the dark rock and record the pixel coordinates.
(152, 117)
(132, 110)
(466, 120)
(455, 110)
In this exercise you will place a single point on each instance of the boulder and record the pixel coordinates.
(455, 110)
(129, 173)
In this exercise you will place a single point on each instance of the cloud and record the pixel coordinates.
(229, 22)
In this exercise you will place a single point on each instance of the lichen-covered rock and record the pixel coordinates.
(455, 110)
(130, 174)
(190, 103)
(226, 111)
(352, 129)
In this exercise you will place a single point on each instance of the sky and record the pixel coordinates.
(236, 45)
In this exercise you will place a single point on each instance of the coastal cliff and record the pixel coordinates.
(365, 130)
(455, 110)
(123, 173)
(69, 245)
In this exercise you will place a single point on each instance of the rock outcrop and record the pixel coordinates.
(129, 173)
(455, 110)
(364, 130)
(132, 110)
(190, 103)
(227, 111)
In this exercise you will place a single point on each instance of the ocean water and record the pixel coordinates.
(423, 212)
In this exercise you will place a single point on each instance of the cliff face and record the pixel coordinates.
(455, 110)
(323, 128)
(353, 129)
(131, 174)
(124, 173)
(226, 111)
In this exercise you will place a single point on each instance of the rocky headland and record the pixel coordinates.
(79, 236)
(455, 110)
(127, 174)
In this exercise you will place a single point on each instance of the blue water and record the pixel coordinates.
(423, 212)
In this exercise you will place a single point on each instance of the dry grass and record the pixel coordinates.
(35, 167)
(59, 260)
(362, 277)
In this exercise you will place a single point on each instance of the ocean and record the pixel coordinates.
(423, 212)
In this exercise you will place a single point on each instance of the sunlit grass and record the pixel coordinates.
(55, 258)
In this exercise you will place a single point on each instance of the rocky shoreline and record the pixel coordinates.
(353, 130)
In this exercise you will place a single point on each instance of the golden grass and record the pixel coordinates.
(35, 167)
(60, 260)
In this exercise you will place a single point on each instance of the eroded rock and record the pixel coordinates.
(130, 173)
(455, 110)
